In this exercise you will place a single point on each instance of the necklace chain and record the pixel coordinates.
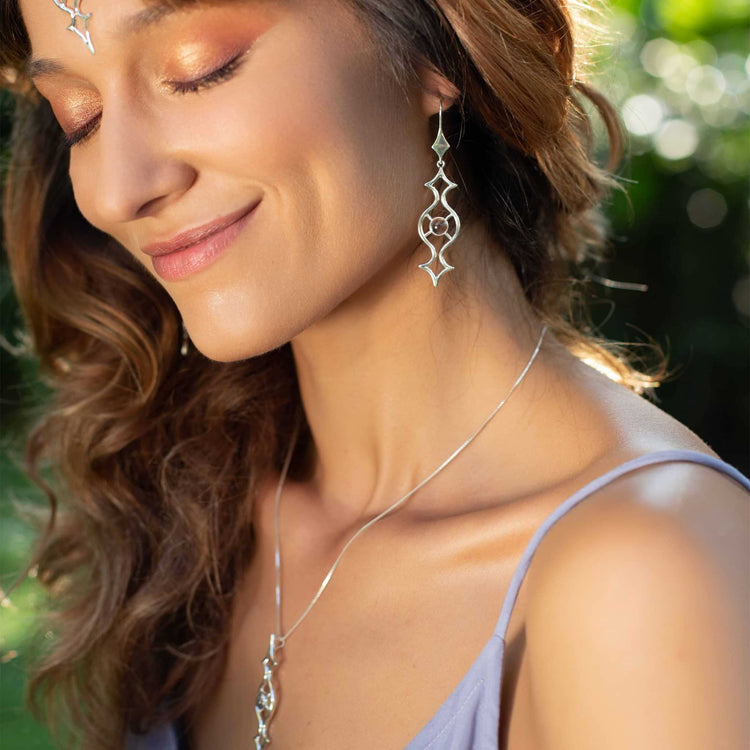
(281, 639)
(266, 699)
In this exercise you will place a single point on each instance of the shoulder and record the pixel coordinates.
(637, 614)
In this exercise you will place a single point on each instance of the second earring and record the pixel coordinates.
(185, 346)
(438, 225)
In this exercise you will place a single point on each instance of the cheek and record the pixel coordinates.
(333, 151)
(343, 189)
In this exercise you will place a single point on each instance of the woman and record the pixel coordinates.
(365, 214)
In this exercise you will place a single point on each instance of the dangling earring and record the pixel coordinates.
(439, 226)
(185, 341)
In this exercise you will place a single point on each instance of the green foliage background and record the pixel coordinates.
(679, 71)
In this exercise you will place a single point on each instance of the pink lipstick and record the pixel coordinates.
(185, 253)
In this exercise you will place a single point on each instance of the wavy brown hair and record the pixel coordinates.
(153, 456)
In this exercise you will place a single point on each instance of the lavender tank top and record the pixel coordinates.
(469, 718)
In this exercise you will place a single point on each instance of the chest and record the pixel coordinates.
(378, 654)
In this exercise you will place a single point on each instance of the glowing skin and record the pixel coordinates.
(394, 374)
(302, 123)
(304, 119)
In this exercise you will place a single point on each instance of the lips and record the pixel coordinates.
(189, 251)
(195, 235)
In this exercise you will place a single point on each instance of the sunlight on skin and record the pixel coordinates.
(338, 159)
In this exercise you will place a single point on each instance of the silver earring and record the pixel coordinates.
(185, 341)
(75, 14)
(439, 226)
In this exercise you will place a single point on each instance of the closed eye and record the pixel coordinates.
(223, 73)
(81, 134)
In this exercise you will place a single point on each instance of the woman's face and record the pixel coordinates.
(193, 117)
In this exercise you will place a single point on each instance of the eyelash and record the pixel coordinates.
(223, 73)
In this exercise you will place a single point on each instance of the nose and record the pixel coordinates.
(135, 171)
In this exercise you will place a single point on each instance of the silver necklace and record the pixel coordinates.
(266, 700)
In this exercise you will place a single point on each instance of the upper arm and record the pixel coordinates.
(637, 623)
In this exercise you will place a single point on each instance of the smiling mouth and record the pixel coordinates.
(193, 236)
(195, 249)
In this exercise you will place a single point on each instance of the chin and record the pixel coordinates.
(237, 342)
(220, 350)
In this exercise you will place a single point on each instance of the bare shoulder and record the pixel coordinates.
(638, 613)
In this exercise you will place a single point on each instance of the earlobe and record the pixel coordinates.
(433, 87)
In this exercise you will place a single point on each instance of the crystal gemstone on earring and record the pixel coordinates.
(439, 225)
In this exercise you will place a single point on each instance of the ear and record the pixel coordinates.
(434, 86)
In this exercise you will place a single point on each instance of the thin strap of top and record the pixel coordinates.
(593, 486)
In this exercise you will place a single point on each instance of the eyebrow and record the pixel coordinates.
(150, 16)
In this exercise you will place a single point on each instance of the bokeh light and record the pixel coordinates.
(705, 84)
(687, 100)
(676, 139)
(706, 208)
(643, 114)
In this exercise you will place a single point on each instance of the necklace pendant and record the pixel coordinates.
(265, 701)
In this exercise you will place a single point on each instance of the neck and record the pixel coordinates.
(398, 377)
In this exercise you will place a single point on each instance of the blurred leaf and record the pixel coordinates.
(684, 19)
